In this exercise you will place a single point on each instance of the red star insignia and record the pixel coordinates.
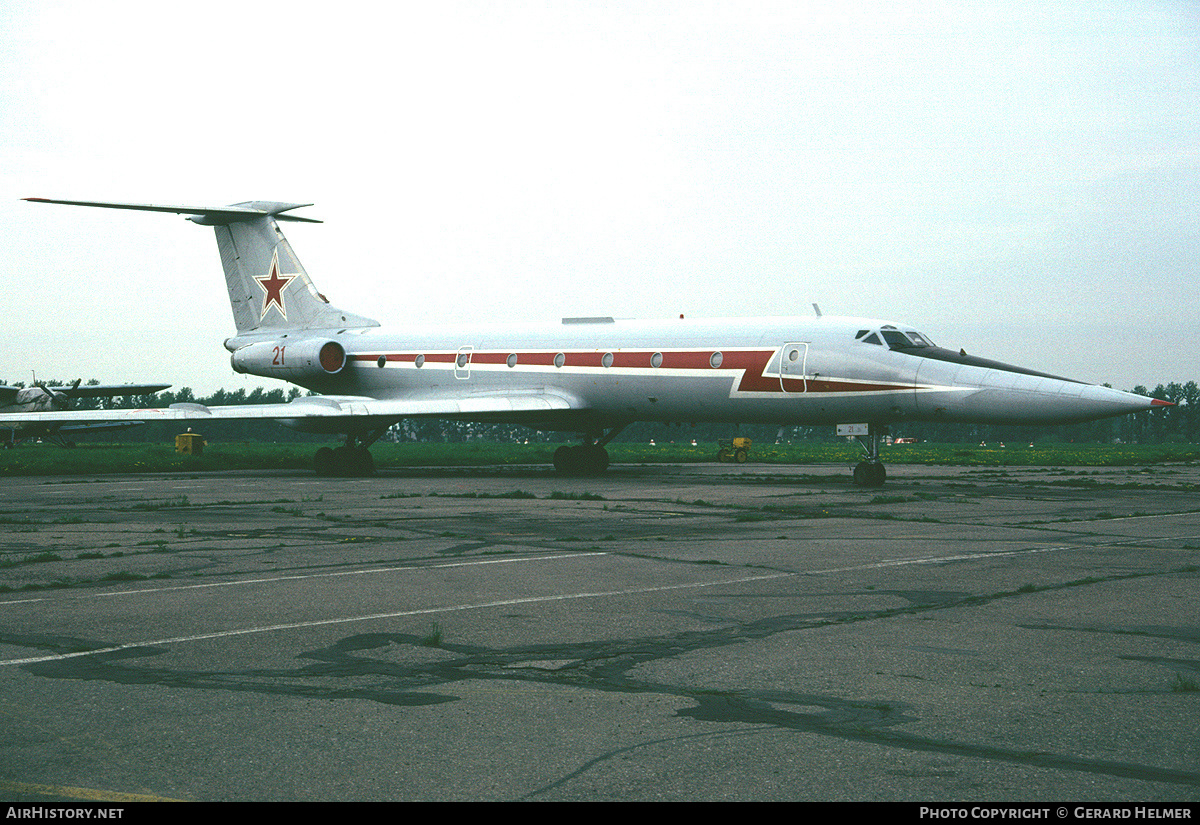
(273, 286)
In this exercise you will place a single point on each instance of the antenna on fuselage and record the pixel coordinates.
(817, 309)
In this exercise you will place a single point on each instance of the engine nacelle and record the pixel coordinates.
(313, 358)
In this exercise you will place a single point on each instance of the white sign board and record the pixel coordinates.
(852, 429)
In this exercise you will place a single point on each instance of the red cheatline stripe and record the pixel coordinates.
(751, 363)
(693, 360)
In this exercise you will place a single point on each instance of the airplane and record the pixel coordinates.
(40, 397)
(589, 376)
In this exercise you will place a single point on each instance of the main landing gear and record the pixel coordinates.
(586, 459)
(351, 459)
(870, 472)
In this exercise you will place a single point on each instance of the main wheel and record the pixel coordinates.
(595, 459)
(584, 460)
(867, 474)
(563, 459)
(878, 475)
(323, 461)
(361, 462)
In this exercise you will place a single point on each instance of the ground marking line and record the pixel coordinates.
(940, 559)
(268, 580)
(441, 566)
(998, 554)
(396, 614)
(529, 599)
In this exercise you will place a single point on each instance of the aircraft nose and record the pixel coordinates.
(990, 392)
(1108, 402)
(1035, 399)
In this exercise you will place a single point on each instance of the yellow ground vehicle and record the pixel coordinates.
(189, 443)
(737, 449)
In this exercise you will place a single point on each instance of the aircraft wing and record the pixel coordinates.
(109, 390)
(8, 395)
(98, 427)
(513, 405)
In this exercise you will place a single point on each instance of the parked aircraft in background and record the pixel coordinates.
(41, 398)
(591, 376)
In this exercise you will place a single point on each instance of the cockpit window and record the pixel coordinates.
(899, 340)
(895, 338)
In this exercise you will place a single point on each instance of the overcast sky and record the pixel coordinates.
(1020, 179)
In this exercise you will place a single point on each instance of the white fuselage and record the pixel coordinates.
(820, 370)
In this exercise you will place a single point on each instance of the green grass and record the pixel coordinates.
(433, 638)
(37, 558)
(102, 459)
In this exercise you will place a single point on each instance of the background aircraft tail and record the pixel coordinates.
(268, 287)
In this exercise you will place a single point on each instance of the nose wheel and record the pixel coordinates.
(870, 472)
(867, 474)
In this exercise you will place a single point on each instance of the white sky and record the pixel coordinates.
(1017, 178)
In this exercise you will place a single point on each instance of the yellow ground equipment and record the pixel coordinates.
(189, 443)
(737, 449)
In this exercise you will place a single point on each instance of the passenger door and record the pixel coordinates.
(792, 375)
(462, 362)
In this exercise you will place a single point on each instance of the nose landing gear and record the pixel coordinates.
(870, 472)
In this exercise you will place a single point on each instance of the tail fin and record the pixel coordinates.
(268, 287)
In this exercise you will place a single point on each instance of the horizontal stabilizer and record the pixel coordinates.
(207, 215)
(269, 290)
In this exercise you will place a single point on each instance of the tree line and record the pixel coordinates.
(1179, 423)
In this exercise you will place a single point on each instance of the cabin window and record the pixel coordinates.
(607, 360)
(560, 359)
(382, 360)
(715, 360)
(463, 358)
(419, 361)
(512, 360)
(656, 360)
